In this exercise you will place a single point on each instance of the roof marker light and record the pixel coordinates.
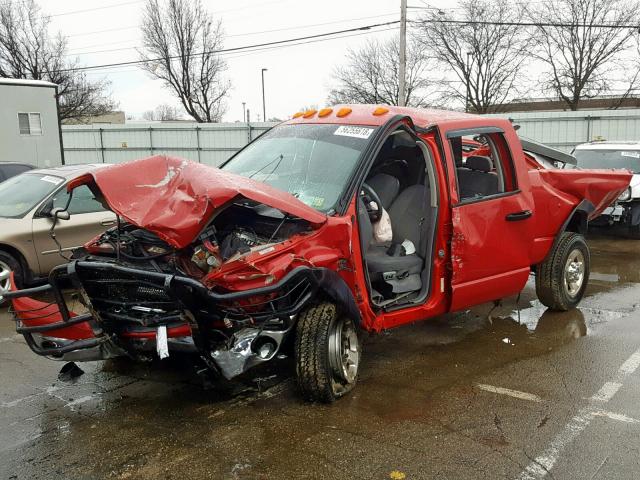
(380, 111)
(309, 113)
(298, 114)
(324, 112)
(343, 112)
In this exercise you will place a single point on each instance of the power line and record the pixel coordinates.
(103, 31)
(529, 24)
(256, 50)
(234, 49)
(299, 27)
(104, 7)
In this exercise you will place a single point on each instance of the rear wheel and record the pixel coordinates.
(9, 264)
(562, 278)
(327, 353)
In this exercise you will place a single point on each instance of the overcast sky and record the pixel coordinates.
(297, 75)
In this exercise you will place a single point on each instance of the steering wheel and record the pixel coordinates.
(372, 202)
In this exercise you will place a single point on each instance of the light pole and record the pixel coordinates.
(403, 53)
(264, 110)
(466, 100)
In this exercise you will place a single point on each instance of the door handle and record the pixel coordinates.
(107, 222)
(523, 215)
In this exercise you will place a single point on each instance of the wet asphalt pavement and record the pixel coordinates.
(501, 392)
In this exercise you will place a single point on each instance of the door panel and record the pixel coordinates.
(88, 219)
(489, 252)
(72, 233)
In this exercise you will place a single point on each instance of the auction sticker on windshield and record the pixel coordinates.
(351, 131)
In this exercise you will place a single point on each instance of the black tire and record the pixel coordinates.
(555, 285)
(318, 376)
(14, 265)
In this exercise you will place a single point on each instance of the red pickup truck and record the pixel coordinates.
(350, 219)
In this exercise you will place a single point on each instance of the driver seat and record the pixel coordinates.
(407, 212)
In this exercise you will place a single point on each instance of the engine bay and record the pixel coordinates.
(241, 228)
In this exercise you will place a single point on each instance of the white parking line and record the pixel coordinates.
(614, 416)
(606, 392)
(512, 393)
(540, 466)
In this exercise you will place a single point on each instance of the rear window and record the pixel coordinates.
(601, 158)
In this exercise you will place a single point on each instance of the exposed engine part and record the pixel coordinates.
(207, 256)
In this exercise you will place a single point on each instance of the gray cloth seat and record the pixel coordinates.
(386, 186)
(379, 261)
(476, 179)
(407, 214)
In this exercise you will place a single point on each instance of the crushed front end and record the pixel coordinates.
(226, 284)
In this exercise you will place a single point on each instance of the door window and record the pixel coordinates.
(82, 201)
(484, 167)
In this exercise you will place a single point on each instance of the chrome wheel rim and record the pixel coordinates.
(344, 351)
(574, 269)
(5, 270)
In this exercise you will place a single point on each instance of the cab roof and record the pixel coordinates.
(376, 115)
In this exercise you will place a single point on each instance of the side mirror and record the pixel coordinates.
(59, 214)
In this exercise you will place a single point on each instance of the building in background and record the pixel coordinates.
(29, 123)
(602, 102)
(111, 118)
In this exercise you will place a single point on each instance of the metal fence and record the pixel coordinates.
(565, 130)
(206, 143)
(214, 143)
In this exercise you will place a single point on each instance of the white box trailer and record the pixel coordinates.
(29, 123)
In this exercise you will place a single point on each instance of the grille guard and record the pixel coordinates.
(299, 286)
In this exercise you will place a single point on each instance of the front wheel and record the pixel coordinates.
(563, 276)
(327, 353)
(8, 265)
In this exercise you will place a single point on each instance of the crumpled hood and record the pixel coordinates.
(175, 198)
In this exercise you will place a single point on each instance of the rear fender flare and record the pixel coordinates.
(577, 221)
(334, 286)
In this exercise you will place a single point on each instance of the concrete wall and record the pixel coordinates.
(210, 143)
(39, 150)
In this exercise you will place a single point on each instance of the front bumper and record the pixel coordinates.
(51, 330)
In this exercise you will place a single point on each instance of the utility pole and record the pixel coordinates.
(466, 99)
(264, 111)
(403, 54)
(244, 112)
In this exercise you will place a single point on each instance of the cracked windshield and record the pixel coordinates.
(312, 162)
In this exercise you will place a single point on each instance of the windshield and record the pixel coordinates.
(20, 194)
(311, 162)
(629, 159)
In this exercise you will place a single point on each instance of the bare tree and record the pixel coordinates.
(485, 55)
(180, 44)
(370, 75)
(28, 52)
(582, 51)
(162, 113)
